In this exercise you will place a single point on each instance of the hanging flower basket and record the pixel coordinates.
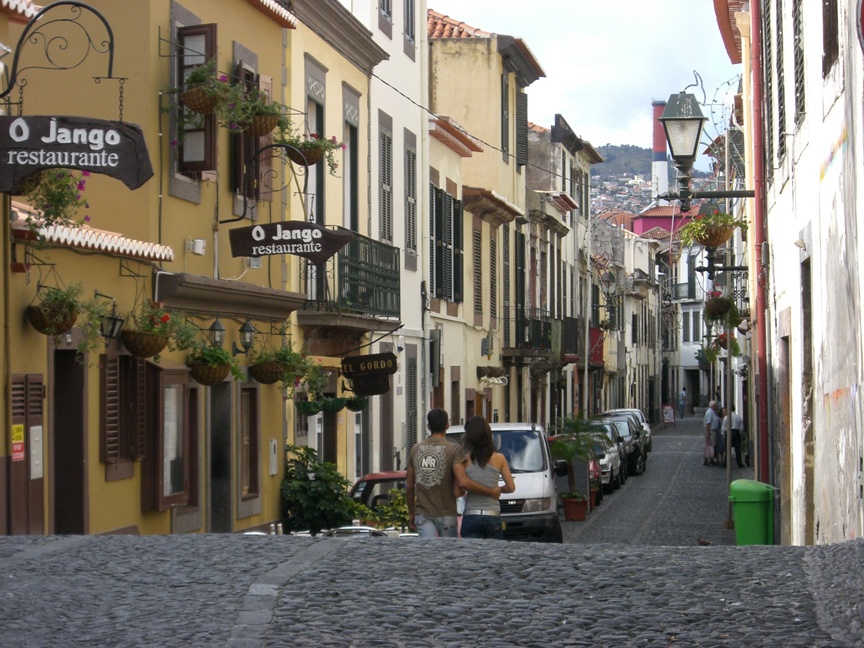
(51, 319)
(209, 375)
(27, 184)
(199, 100)
(356, 404)
(261, 125)
(717, 307)
(267, 372)
(333, 404)
(142, 344)
(308, 408)
(714, 235)
(311, 155)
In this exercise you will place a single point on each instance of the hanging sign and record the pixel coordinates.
(32, 143)
(308, 240)
(370, 374)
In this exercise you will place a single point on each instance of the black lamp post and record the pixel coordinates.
(247, 338)
(683, 122)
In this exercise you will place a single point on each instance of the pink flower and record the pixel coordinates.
(86, 219)
(223, 79)
(86, 174)
(80, 185)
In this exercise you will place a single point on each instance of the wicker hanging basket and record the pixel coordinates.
(197, 100)
(356, 404)
(51, 321)
(308, 408)
(261, 125)
(209, 375)
(143, 344)
(715, 235)
(267, 372)
(310, 155)
(717, 307)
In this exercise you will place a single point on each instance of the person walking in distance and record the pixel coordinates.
(682, 402)
(737, 429)
(709, 424)
(482, 516)
(435, 478)
(720, 439)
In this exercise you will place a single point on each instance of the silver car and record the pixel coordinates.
(640, 416)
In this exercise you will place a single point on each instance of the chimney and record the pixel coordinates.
(659, 164)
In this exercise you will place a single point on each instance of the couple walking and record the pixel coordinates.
(440, 471)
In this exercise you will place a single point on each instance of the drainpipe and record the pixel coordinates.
(762, 396)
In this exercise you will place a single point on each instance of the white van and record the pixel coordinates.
(531, 511)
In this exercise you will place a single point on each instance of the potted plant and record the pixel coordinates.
(574, 443)
(151, 328)
(314, 494)
(58, 196)
(711, 229)
(727, 343)
(55, 310)
(204, 88)
(249, 112)
(307, 149)
(210, 365)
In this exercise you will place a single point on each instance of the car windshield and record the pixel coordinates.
(376, 493)
(523, 449)
(623, 428)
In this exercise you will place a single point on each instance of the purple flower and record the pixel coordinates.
(86, 219)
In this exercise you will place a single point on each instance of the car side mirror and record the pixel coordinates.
(561, 467)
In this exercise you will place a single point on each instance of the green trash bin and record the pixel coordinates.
(753, 511)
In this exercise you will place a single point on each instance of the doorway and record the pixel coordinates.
(69, 447)
(219, 494)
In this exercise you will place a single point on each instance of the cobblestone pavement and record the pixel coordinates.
(651, 587)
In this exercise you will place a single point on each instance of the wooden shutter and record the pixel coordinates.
(458, 254)
(138, 436)
(436, 256)
(265, 181)
(447, 248)
(110, 424)
(522, 129)
(478, 271)
(244, 146)
(411, 200)
(505, 114)
(386, 186)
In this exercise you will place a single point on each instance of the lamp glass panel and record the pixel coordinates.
(683, 136)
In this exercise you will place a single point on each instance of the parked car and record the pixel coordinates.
(608, 455)
(531, 511)
(631, 435)
(640, 416)
(373, 490)
(613, 436)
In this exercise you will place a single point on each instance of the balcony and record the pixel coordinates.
(354, 293)
(683, 291)
(536, 341)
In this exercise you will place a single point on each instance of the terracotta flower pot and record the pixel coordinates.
(575, 510)
(209, 375)
(143, 344)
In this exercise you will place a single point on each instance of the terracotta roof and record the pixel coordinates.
(656, 234)
(440, 26)
(88, 238)
(660, 211)
(19, 10)
(537, 128)
(618, 218)
(725, 11)
(276, 11)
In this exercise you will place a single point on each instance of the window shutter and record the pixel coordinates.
(437, 211)
(781, 85)
(478, 271)
(493, 277)
(522, 128)
(264, 190)
(506, 283)
(411, 200)
(458, 256)
(411, 401)
(520, 284)
(244, 145)
(109, 446)
(386, 186)
(447, 245)
(505, 114)
(196, 44)
(139, 434)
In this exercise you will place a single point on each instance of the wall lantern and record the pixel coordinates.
(247, 338)
(216, 333)
(110, 325)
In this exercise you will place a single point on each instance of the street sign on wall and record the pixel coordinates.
(300, 238)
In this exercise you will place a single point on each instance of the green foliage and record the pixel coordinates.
(701, 224)
(58, 196)
(314, 494)
(204, 353)
(392, 514)
(575, 442)
(287, 134)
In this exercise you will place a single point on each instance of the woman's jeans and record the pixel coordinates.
(482, 526)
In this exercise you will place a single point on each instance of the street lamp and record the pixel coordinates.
(216, 333)
(247, 338)
(683, 122)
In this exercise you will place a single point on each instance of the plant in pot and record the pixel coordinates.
(314, 494)
(711, 229)
(150, 328)
(312, 147)
(58, 195)
(721, 308)
(210, 365)
(249, 112)
(574, 443)
(54, 309)
(204, 88)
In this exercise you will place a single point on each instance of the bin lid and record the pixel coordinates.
(750, 490)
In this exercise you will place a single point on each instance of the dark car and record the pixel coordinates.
(640, 417)
(373, 490)
(634, 441)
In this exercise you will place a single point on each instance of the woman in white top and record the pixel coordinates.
(482, 516)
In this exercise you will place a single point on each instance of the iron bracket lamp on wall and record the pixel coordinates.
(110, 325)
(216, 333)
(683, 123)
(247, 339)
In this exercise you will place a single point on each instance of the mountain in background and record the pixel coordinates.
(629, 161)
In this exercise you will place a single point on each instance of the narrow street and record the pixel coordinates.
(676, 502)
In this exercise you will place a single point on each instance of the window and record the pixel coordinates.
(768, 58)
(493, 277)
(245, 182)
(697, 327)
(446, 220)
(521, 128)
(411, 199)
(798, 33)
(350, 159)
(781, 84)
(174, 446)
(385, 17)
(411, 395)
(830, 36)
(505, 116)
(196, 144)
(248, 439)
(410, 32)
(685, 326)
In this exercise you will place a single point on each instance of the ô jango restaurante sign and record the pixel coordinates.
(299, 238)
(32, 143)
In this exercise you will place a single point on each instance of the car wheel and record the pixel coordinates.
(640, 464)
(608, 488)
(618, 483)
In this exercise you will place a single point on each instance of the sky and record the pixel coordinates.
(606, 61)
